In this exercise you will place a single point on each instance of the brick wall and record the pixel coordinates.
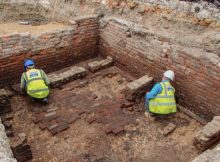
(142, 51)
(51, 50)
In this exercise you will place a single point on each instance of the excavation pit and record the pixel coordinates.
(88, 117)
(98, 128)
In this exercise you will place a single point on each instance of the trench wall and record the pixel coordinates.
(142, 51)
(51, 50)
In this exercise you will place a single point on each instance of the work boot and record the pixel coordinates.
(149, 116)
(45, 101)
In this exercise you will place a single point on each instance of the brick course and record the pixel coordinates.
(51, 50)
(143, 51)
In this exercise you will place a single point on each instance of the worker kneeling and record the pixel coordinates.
(161, 99)
(35, 82)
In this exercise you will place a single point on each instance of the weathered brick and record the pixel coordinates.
(74, 72)
(50, 127)
(168, 129)
(62, 126)
(50, 118)
(137, 88)
(118, 130)
(109, 129)
(72, 118)
(91, 119)
(208, 135)
(97, 65)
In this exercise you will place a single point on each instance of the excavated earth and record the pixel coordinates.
(89, 141)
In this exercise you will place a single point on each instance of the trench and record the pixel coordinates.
(98, 123)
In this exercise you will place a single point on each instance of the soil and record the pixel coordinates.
(8, 28)
(84, 142)
(14, 12)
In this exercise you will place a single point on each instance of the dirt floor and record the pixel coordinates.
(8, 28)
(88, 142)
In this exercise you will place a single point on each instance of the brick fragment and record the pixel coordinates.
(118, 130)
(21, 150)
(50, 114)
(91, 120)
(168, 129)
(61, 119)
(51, 110)
(52, 126)
(38, 118)
(108, 129)
(73, 118)
(50, 118)
(62, 126)
(42, 126)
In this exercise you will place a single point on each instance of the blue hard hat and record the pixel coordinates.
(28, 62)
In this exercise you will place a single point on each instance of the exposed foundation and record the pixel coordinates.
(90, 61)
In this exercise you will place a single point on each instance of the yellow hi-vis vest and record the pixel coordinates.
(35, 84)
(164, 103)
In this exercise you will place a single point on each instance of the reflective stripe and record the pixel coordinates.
(38, 90)
(162, 104)
(35, 79)
(25, 76)
(172, 96)
(165, 88)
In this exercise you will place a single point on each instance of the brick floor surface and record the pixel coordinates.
(69, 105)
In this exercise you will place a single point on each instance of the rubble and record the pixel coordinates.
(208, 135)
(73, 73)
(98, 65)
(138, 88)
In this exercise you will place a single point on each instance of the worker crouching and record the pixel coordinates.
(35, 82)
(161, 99)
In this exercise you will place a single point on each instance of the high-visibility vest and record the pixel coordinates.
(35, 84)
(164, 103)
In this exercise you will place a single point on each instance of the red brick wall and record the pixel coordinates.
(51, 51)
(141, 51)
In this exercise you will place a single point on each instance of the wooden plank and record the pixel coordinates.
(192, 115)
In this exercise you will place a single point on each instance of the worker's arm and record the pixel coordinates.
(23, 83)
(46, 79)
(154, 91)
